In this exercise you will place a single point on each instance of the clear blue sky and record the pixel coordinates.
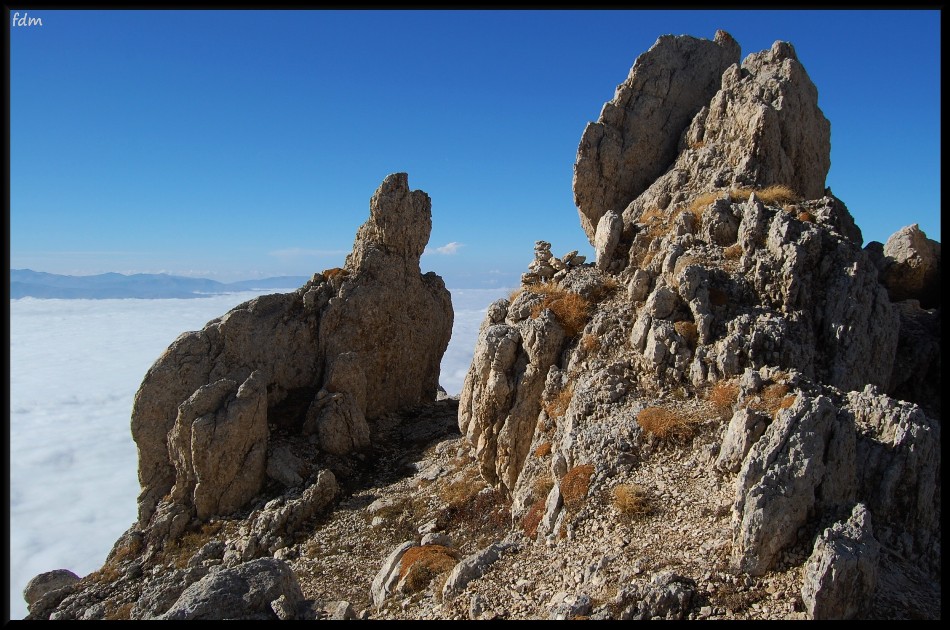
(240, 144)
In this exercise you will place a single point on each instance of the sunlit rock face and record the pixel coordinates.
(352, 344)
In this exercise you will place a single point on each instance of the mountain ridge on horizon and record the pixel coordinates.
(41, 284)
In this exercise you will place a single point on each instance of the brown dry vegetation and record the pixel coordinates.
(481, 514)
(774, 398)
(590, 343)
(557, 405)
(724, 394)
(531, 520)
(665, 423)
(543, 449)
(733, 252)
(420, 565)
(631, 500)
(687, 330)
(118, 611)
(806, 216)
(334, 272)
(574, 486)
(181, 551)
(541, 487)
(699, 204)
(775, 194)
(570, 309)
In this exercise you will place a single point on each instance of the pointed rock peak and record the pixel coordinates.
(399, 224)
(635, 139)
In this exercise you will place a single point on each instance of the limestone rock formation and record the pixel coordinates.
(740, 272)
(45, 591)
(911, 268)
(841, 573)
(261, 589)
(635, 139)
(350, 345)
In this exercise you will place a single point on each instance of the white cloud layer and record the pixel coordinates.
(449, 249)
(75, 366)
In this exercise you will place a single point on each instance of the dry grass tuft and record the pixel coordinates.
(697, 144)
(733, 252)
(770, 195)
(461, 491)
(590, 343)
(557, 405)
(120, 612)
(334, 272)
(687, 330)
(631, 500)
(651, 214)
(541, 487)
(570, 309)
(724, 394)
(481, 514)
(700, 203)
(543, 449)
(420, 565)
(514, 295)
(531, 520)
(773, 399)
(665, 423)
(574, 486)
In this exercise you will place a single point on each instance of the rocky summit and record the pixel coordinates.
(732, 413)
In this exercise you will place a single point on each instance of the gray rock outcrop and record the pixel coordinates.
(635, 138)
(350, 345)
(260, 589)
(911, 268)
(841, 573)
(45, 591)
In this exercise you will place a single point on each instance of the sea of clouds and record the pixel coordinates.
(75, 366)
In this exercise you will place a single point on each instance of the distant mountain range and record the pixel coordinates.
(38, 284)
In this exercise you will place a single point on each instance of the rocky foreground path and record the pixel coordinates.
(670, 561)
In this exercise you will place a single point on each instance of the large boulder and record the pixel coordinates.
(352, 344)
(911, 267)
(263, 589)
(841, 573)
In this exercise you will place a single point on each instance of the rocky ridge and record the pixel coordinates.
(733, 413)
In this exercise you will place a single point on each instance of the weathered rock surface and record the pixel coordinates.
(740, 270)
(666, 596)
(803, 462)
(260, 589)
(841, 573)
(635, 138)
(352, 344)
(45, 591)
(911, 269)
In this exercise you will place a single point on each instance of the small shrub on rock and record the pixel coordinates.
(570, 309)
(631, 500)
(574, 486)
(664, 423)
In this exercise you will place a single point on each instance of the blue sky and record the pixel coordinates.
(241, 144)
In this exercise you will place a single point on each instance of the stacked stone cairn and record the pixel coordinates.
(546, 267)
